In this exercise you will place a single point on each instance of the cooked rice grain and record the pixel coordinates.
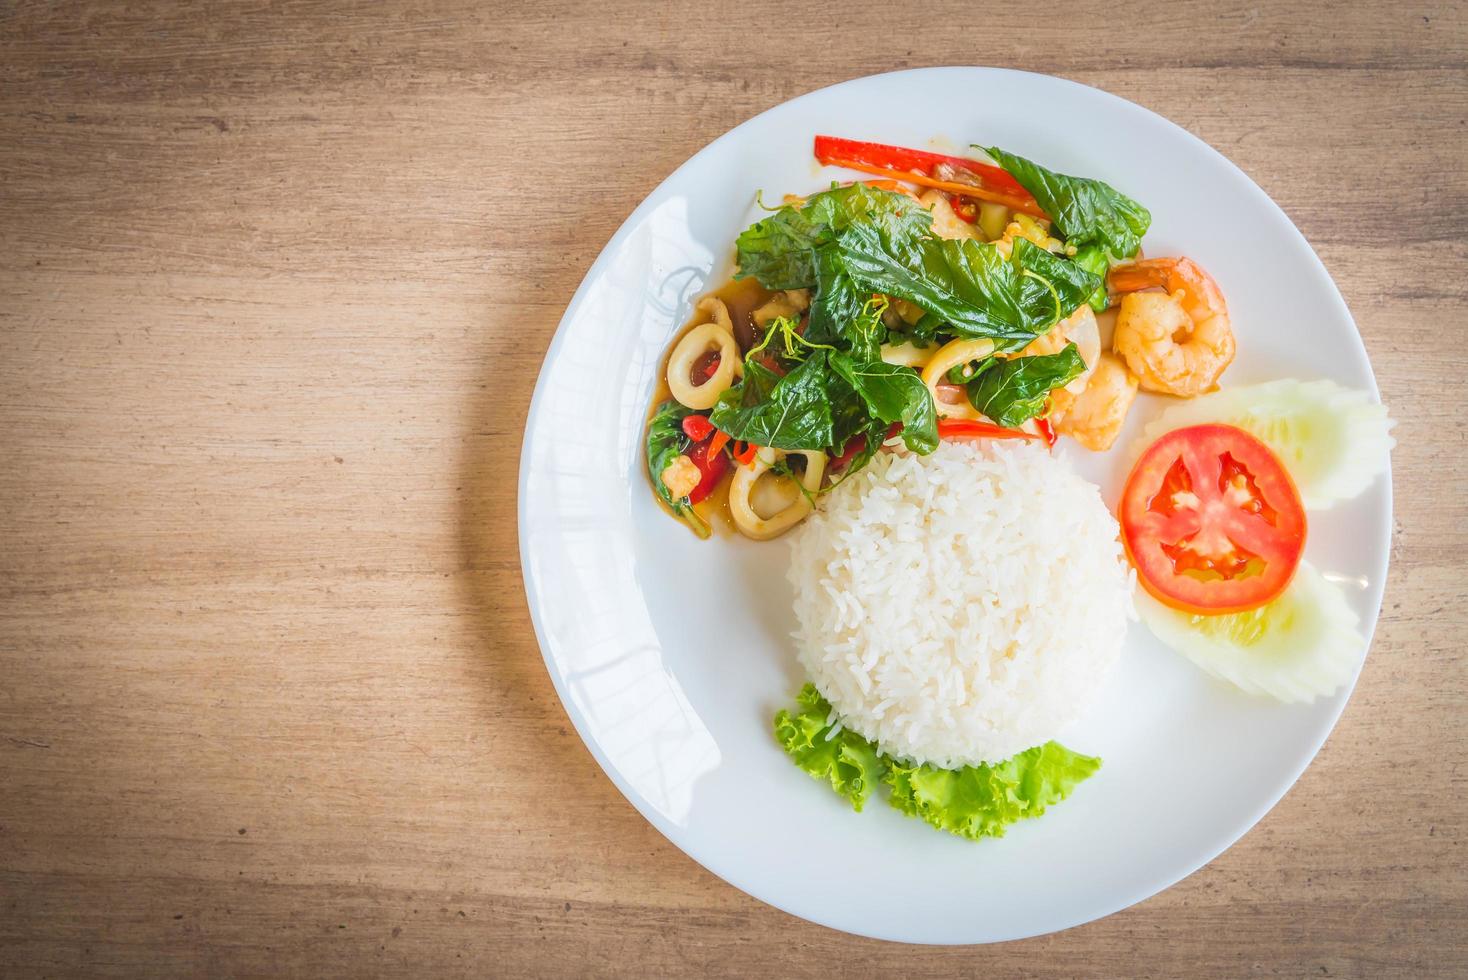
(960, 607)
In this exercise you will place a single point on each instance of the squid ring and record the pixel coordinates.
(948, 357)
(749, 523)
(694, 345)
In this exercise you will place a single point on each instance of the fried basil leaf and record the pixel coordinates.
(665, 443)
(970, 285)
(779, 250)
(893, 394)
(1085, 211)
(1094, 260)
(1012, 391)
(793, 412)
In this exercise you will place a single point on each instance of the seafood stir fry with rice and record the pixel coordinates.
(887, 376)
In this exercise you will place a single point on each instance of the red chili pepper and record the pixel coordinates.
(1047, 431)
(712, 466)
(697, 427)
(744, 452)
(719, 441)
(857, 442)
(970, 429)
(916, 166)
(853, 446)
(712, 367)
(965, 210)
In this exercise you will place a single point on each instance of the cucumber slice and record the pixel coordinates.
(1303, 645)
(1333, 440)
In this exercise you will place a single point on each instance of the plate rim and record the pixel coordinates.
(730, 874)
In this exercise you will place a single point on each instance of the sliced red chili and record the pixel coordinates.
(711, 466)
(697, 427)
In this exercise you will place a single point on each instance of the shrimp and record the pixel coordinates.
(1177, 342)
(946, 222)
(1080, 329)
(1095, 416)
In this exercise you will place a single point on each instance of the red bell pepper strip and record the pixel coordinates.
(916, 166)
(697, 427)
(960, 430)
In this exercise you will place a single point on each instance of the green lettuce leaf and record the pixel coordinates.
(1012, 391)
(1085, 211)
(981, 801)
(973, 802)
(779, 250)
(893, 394)
(847, 761)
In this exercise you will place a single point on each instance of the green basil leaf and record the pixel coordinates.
(1093, 259)
(793, 413)
(1085, 211)
(1014, 390)
(893, 394)
(1051, 287)
(837, 302)
(779, 250)
(666, 441)
(974, 289)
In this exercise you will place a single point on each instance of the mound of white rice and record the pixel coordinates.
(960, 607)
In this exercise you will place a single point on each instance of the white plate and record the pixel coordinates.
(672, 655)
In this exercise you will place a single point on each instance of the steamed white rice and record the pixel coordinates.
(960, 607)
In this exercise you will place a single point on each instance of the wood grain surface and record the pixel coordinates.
(275, 282)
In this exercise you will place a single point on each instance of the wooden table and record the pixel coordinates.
(276, 283)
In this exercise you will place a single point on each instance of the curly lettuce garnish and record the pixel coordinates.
(981, 801)
(844, 759)
(973, 802)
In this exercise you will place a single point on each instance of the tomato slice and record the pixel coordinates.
(1212, 521)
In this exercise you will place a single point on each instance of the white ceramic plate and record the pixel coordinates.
(672, 655)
